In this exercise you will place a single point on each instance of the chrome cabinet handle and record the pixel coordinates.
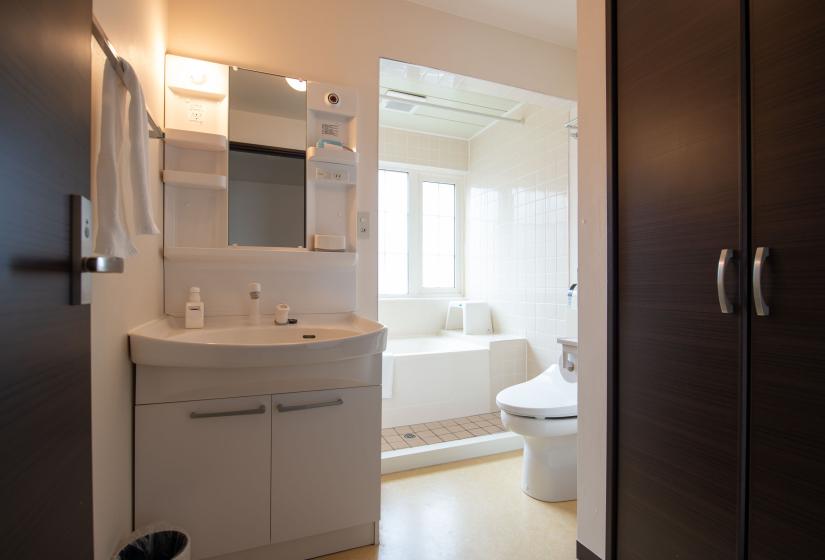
(762, 309)
(724, 303)
(248, 412)
(101, 264)
(294, 407)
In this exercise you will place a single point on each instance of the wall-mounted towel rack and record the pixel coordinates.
(109, 50)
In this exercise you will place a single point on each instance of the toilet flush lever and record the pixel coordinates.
(724, 303)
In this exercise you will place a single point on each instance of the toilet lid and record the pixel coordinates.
(547, 395)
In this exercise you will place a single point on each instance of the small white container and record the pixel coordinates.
(193, 315)
(281, 314)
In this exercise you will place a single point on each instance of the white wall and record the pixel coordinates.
(517, 243)
(416, 148)
(341, 42)
(137, 28)
(592, 274)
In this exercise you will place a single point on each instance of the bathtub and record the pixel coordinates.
(435, 378)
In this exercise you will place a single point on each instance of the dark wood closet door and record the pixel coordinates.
(45, 369)
(787, 444)
(678, 379)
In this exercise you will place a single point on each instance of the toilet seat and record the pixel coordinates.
(547, 395)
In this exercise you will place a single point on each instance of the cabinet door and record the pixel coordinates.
(204, 465)
(326, 461)
(679, 369)
(787, 429)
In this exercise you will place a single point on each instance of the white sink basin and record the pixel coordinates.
(228, 342)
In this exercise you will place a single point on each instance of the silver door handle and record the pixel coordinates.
(101, 264)
(247, 412)
(724, 303)
(294, 407)
(762, 308)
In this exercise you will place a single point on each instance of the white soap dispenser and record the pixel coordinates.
(194, 309)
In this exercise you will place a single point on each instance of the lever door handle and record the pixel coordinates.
(724, 303)
(101, 264)
(762, 308)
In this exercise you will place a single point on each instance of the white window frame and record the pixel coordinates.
(416, 176)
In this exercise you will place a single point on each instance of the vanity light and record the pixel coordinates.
(197, 77)
(296, 84)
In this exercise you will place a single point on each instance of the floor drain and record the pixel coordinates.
(409, 436)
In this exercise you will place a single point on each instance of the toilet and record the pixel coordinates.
(544, 412)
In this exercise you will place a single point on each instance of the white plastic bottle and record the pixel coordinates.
(194, 309)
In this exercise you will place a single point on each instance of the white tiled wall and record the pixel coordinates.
(402, 146)
(517, 249)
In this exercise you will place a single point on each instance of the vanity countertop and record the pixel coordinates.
(233, 342)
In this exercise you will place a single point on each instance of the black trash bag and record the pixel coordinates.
(158, 545)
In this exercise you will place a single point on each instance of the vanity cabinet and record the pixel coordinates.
(325, 461)
(204, 465)
(275, 469)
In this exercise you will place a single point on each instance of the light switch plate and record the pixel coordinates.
(363, 225)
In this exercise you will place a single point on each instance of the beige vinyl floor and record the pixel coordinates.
(469, 510)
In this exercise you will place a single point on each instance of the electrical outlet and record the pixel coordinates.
(363, 225)
(196, 113)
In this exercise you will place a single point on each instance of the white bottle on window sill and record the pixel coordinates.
(193, 316)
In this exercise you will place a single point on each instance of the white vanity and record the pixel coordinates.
(260, 441)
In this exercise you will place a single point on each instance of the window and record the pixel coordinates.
(419, 233)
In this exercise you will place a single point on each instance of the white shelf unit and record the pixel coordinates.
(284, 258)
(196, 153)
(194, 180)
(196, 140)
(332, 173)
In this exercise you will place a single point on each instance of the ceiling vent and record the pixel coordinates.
(398, 102)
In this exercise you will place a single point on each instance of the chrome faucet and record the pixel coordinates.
(254, 303)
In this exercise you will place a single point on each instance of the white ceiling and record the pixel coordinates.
(475, 98)
(553, 21)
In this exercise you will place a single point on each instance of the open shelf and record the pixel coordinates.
(193, 140)
(283, 257)
(202, 93)
(193, 180)
(332, 155)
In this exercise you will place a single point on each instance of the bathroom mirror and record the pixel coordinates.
(267, 159)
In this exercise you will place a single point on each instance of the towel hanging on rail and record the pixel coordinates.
(112, 232)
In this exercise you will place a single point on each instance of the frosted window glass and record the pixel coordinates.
(393, 211)
(438, 239)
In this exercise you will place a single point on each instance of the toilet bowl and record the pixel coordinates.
(544, 412)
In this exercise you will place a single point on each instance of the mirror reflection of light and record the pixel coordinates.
(296, 84)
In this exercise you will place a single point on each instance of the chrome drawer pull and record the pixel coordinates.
(196, 415)
(724, 303)
(762, 308)
(294, 407)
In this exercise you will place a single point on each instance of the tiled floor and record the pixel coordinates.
(469, 510)
(402, 437)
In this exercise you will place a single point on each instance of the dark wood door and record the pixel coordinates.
(678, 84)
(45, 428)
(787, 444)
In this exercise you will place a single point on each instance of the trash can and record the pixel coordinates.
(155, 542)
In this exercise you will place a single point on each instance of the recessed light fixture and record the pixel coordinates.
(296, 84)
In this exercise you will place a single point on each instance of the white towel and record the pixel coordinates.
(112, 233)
(387, 375)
